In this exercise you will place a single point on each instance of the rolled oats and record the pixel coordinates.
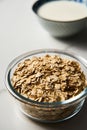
(48, 78)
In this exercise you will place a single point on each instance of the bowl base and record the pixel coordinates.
(51, 121)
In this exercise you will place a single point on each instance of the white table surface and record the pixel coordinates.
(20, 32)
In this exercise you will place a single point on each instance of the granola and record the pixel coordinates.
(48, 78)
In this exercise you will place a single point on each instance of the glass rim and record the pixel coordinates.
(43, 51)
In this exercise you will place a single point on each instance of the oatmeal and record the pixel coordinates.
(48, 78)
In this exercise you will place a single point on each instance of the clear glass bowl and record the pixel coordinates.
(47, 112)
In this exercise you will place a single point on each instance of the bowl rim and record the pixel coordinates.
(36, 5)
(23, 99)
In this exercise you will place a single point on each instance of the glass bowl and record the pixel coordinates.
(47, 112)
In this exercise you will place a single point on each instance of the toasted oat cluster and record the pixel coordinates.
(48, 78)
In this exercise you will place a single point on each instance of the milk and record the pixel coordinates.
(63, 11)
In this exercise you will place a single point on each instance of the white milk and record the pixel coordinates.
(63, 11)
